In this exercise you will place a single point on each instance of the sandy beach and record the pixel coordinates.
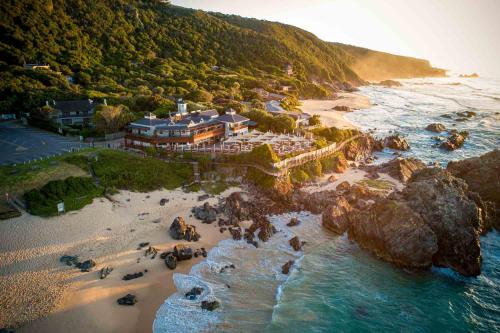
(333, 118)
(43, 295)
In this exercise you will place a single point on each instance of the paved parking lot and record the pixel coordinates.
(20, 144)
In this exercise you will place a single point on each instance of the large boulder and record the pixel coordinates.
(444, 204)
(336, 216)
(482, 174)
(296, 244)
(206, 213)
(183, 252)
(396, 142)
(393, 232)
(236, 207)
(454, 141)
(401, 168)
(266, 231)
(361, 148)
(180, 230)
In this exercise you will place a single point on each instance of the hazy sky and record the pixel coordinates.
(461, 35)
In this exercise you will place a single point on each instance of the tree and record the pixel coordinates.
(111, 118)
(200, 96)
(315, 120)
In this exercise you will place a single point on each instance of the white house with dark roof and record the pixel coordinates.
(74, 112)
(234, 124)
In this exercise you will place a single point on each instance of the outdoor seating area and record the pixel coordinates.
(282, 144)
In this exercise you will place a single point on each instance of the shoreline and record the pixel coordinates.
(334, 118)
(44, 295)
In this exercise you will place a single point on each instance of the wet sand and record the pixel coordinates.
(40, 294)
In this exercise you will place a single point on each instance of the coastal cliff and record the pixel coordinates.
(373, 65)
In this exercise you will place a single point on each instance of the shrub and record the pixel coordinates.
(75, 192)
(334, 134)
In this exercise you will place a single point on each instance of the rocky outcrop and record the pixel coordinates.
(401, 168)
(171, 261)
(235, 233)
(396, 142)
(210, 305)
(296, 244)
(336, 216)
(206, 213)
(293, 222)
(180, 230)
(285, 269)
(443, 202)
(236, 208)
(482, 174)
(361, 148)
(454, 141)
(344, 186)
(389, 83)
(436, 127)
(393, 232)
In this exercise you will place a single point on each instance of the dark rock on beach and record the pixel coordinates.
(206, 213)
(105, 271)
(182, 252)
(180, 230)
(235, 233)
(128, 299)
(87, 265)
(171, 261)
(132, 276)
(342, 108)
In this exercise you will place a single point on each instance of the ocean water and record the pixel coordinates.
(409, 109)
(334, 286)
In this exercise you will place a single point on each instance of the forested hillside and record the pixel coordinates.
(139, 53)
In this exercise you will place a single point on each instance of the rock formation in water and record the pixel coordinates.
(482, 174)
(443, 202)
(361, 148)
(394, 232)
(396, 142)
(399, 168)
(436, 127)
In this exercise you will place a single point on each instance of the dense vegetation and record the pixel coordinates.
(75, 192)
(142, 54)
(121, 170)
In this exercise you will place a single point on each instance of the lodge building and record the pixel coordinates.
(184, 130)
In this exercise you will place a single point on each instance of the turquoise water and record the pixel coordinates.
(340, 288)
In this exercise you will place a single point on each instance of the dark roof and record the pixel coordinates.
(75, 105)
(209, 113)
(232, 118)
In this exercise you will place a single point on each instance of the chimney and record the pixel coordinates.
(90, 101)
(47, 102)
(54, 102)
(105, 103)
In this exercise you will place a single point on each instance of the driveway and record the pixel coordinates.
(20, 144)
